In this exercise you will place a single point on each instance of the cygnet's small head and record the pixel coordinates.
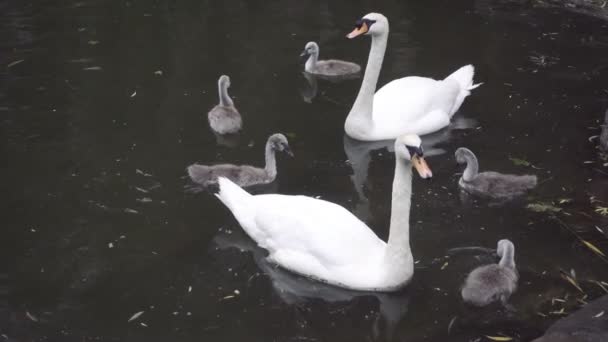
(461, 153)
(371, 24)
(409, 147)
(224, 81)
(279, 143)
(311, 48)
(503, 246)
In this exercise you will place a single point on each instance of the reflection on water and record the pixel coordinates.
(103, 104)
(297, 290)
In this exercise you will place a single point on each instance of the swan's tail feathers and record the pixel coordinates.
(231, 194)
(464, 78)
(240, 203)
(474, 86)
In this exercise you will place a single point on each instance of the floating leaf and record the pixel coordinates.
(599, 315)
(560, 312)
(593, 248)
(500, 338)
(444, 266)
(572, 281)
(158, 72)
(565, 200)
(600, 285)
(519, 162)
(31, 317)
(12, 64)
(602, 211)
(543, 207)
(135, 316)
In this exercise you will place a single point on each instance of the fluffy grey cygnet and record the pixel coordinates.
(224, 118)
(490, 283)
(489, 183)
(243, 175)
(330, 67)
(604, 134)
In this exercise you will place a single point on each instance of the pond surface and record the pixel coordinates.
(103, 104)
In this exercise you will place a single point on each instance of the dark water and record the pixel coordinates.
(103, 105)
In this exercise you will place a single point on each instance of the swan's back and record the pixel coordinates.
(494, 184)
(243, 175)
(489, 283)
(414, 104)
(225, 119)
(334, 67)
(314, 226)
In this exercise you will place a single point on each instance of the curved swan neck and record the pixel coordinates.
(508, 257)
(470, 172)
(398, 250)
(361, 112)
(311, 62)
(271, 163)
(225, 99)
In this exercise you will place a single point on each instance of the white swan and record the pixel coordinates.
(409, 105)
(324, 241)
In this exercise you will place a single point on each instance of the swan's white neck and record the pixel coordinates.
(311, 62)
(271, 163)
(225, 99)
(470, 172)
(360, 119)
(398, 259)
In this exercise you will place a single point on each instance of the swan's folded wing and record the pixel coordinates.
(403, 100)
(410, 104)
(321, 229)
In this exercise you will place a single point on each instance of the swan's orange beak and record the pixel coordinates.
(423, 169)
(358, 31)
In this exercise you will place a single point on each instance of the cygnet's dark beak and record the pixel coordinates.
(304, 53)
(288, 151)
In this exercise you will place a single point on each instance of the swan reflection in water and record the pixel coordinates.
(359, 156)
(310, 88)
(294, 289)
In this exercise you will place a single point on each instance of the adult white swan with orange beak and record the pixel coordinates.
(324, 241)
(409, 105)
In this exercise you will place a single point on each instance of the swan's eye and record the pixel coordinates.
(415, 150)
(369, 22)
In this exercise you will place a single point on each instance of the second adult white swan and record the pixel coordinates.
(409, 105)
(324, 241)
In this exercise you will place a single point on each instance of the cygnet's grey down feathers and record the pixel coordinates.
(604, 134)
(330, 67)
(490, 183)
(243, 175)
(225, 118)
(494, 282)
